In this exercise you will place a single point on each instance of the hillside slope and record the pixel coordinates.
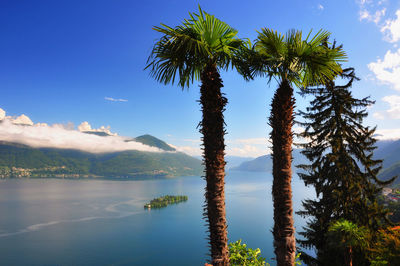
(17, 160)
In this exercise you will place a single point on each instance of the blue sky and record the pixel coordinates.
(65, 61)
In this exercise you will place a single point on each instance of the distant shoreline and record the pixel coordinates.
(138, 178)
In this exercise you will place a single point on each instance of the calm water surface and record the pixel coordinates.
(101, 222)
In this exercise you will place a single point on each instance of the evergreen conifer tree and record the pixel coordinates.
(342, 169)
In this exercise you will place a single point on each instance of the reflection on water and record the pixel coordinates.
(101, 222)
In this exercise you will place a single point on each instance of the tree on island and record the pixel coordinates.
(342, 169)
(197, 50)
(291, 61)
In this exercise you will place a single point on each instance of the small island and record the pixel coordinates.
(163, 201)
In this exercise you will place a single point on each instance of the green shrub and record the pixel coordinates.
(239, 254)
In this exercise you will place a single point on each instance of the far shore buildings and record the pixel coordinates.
(391, 194)
(386, 191)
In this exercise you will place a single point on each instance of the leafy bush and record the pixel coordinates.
(239, 254)
(386, 249)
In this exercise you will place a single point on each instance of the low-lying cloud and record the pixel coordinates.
(22, 130)
(387, 134)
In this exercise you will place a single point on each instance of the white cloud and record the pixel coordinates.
(86, 127)
(251, 147)
(375, 17)
(248, 150)
(364, 14)
(2, 114)
(22, 130)
(394, 103)
(67, 126)
(388, 134)
(115, 100)
(388, 69)
(251, 141)
(394, 109)
(192, 140)
(320, 7)
(22, 120)
(391, 29)
(378, 115)
(191, 150)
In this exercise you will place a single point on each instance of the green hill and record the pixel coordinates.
(153, 142)
(18, 160)
(389, 152)
(391, 171)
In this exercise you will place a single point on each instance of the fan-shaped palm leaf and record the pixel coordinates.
(186, 49)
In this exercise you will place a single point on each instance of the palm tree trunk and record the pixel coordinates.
(212, 127)
(281, 121)
(348, 256)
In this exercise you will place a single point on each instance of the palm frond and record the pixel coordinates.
(304, 62)
(183, 52)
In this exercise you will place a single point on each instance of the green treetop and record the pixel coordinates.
(342, 169)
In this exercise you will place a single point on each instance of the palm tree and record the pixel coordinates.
(197, 50)
(291, 61)
(348, 235)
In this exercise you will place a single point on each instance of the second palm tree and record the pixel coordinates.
(292, 61)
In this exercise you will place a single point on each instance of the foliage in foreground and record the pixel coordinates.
(240, 254)
(386, 250)
(380, 248)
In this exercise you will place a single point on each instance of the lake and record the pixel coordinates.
(103, 222)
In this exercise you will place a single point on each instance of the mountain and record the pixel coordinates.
(153, 142)
(231, 160)
(387, 150)
(17, 160)
(259, 164)
(264, 163)
(234, 161)
(391, 171)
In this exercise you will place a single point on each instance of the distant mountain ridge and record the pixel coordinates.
(387, 150)
(264, 163)
(18, 160)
